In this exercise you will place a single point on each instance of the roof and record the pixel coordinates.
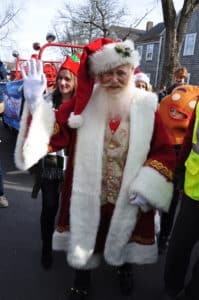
(126, 32)
(153, 34)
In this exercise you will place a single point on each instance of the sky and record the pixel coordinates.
(35, 19)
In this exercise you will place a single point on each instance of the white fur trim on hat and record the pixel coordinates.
(75, 121)
(142, 77)
(113, 55)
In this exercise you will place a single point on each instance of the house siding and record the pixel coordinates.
(154, 67)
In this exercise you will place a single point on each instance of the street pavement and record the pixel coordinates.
(21, 275)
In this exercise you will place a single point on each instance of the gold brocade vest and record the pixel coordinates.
(114, 159)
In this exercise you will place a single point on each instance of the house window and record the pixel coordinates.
(149, 52)
(149, 75)
(189, 44)
(139, 49)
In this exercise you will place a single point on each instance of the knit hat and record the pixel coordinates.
(142, 77)
(71, 63)
(98, 57)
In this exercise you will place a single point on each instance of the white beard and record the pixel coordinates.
(116, 103)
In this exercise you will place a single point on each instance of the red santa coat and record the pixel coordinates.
(148, 171)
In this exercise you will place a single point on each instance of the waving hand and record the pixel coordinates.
(34, 83)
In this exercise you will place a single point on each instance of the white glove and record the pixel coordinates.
(137, 200)
(34, 83)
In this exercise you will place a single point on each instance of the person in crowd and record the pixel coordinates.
(3, 72)
(175, 110)
(50, 170)
(180, 76)
(120, 161)
(3, 199)
(185, 233)
(142, 81)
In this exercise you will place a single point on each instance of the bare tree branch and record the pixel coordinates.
(143, 17)
(7, 22)
(93, 19)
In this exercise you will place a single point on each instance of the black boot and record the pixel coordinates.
(182, 296)
(162, 244)
(46, 256)
(78, 294)
(125, 275)
(80, 289)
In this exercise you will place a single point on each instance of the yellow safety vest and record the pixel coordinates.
(191, 185)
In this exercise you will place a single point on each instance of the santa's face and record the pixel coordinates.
(116, 79)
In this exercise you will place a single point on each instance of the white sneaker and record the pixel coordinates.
(3, 201)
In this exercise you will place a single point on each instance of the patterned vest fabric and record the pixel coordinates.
(114, 159)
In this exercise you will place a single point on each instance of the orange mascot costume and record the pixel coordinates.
(175, 110)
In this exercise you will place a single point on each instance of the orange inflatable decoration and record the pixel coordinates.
(176, 110)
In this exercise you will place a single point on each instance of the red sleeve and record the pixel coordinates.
(62, 132)
(162, 155)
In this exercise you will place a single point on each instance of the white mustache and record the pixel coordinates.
(118, 85)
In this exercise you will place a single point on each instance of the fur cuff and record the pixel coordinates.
(154, 187)
(32, 140)
(75, 121)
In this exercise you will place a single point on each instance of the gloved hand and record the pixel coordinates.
(34, 83)
(136, 199)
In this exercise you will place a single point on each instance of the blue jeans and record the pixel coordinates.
(1, 181)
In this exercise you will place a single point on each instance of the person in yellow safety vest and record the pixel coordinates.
(185, 233)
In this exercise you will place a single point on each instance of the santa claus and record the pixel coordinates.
(120, 164)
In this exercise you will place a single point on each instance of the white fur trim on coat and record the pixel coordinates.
(61, 242)
(108, 58)
(75, 121)
(146, 184)
(32, 143)
(140, 254)
(86, 190)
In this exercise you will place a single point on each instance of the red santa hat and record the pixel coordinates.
(136, 71)
(98, 57)
(71, 63)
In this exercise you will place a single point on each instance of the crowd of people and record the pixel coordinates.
(128, 155)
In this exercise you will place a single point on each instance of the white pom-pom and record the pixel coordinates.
(75, 121)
